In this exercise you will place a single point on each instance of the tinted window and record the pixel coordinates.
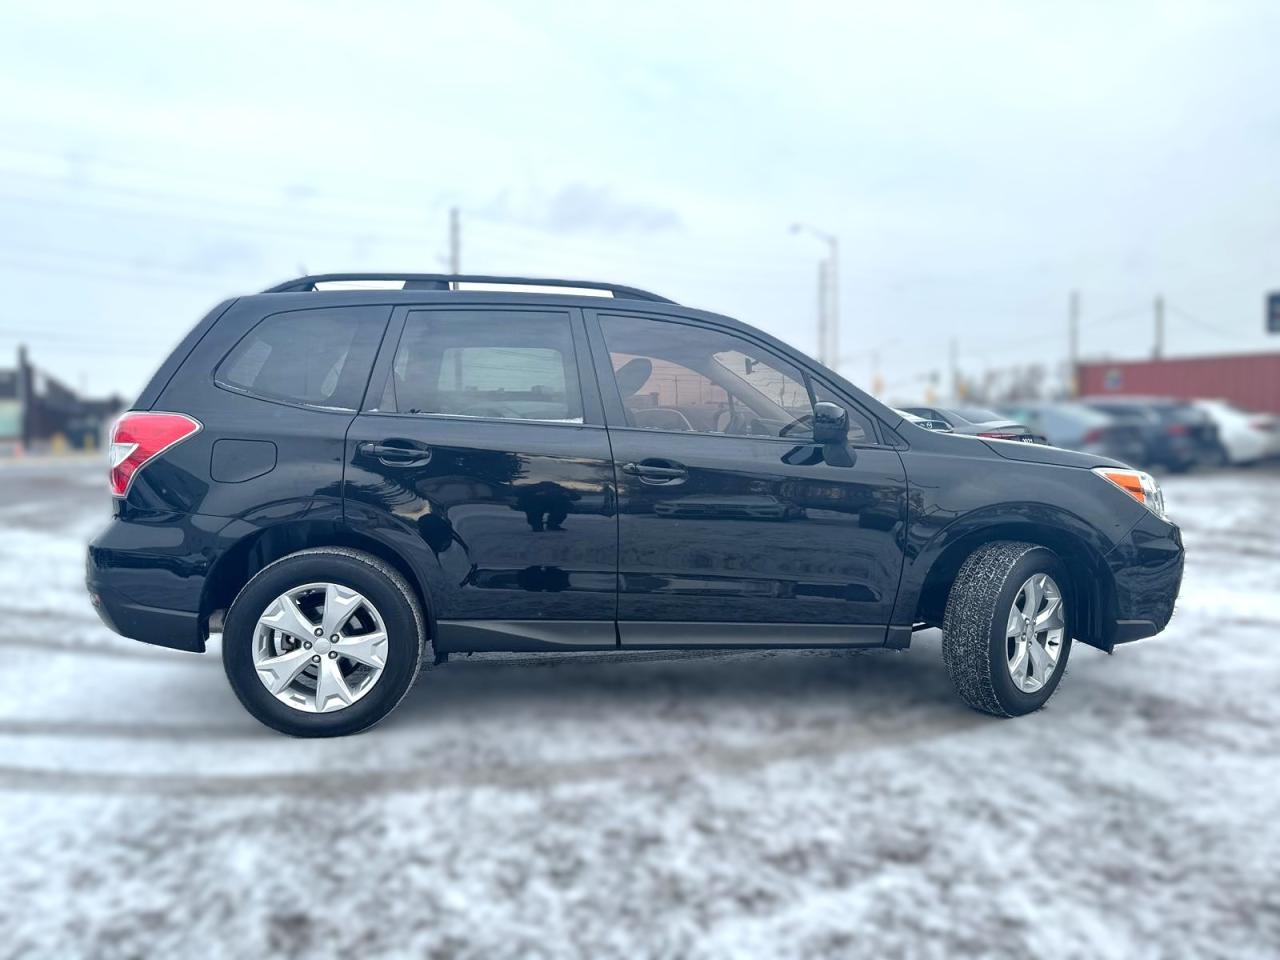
(1125, 412)
(316, 357)
(673, 376)
(512, 365)
(1183, 413)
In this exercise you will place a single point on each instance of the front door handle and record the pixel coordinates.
(656, 471)
(396, 454)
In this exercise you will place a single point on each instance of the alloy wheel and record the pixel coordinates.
(320, 647)
(1033, 638)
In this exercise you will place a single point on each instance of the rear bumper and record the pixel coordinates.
(176, 629)
(1146, 568)
(146, 580)
(1184, 451)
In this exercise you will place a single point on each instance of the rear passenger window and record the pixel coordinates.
(320, 358)
(509, 365)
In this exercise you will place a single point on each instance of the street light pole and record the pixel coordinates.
(828, 296)
(833, 302)
(824, 309)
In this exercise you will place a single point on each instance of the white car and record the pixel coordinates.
(1247, 437)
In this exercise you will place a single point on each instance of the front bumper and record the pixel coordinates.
(1146, 569)
(146, 579)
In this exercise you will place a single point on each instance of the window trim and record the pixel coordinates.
(592, 413)
(240, 391)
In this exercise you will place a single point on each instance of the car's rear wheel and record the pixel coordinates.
(1005, 633)
(323, 642)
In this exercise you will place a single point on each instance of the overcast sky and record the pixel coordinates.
(977, 161)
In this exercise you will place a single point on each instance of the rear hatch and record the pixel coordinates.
(1123, 440)
(1005, 430)
(1194, 423)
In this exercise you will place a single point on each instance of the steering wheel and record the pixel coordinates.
(738, 422)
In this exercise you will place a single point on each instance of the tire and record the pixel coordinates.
(975, 645)
(382, 588)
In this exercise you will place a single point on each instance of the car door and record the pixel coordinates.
(481, 456)
(732, 522)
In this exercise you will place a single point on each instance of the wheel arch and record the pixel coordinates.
(238, 564)
(1091, 590)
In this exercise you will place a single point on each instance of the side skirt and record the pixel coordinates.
(530, 636)
(664, 634)
(524, 636)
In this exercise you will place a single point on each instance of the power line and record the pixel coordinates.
(1206, 326)
(24, 263)
(527, 243)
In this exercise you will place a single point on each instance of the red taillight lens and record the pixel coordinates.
(1000, 436)
(1092, 436)
(1177, 429)
(140, 436)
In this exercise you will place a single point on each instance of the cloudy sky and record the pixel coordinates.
(977, 161)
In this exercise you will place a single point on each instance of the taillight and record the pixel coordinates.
(1092, 436)
(140, 436)
(997, 435)
(1177, 429)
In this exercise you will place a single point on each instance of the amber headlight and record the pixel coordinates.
(1141, 486)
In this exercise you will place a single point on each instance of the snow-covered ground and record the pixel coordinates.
(737, 804)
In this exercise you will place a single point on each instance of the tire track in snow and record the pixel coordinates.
(710, 758)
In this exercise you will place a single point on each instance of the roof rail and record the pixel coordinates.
(449, 281)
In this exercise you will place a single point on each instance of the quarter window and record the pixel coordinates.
(319, 358)
(510, 365)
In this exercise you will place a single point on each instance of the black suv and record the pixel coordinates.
(355, 482)
(1176, 433)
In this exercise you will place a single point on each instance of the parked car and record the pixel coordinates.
(1073, 426)
(1177, 434)
(357, 483)
(976, 422)
(1246, 437)
(941, 426)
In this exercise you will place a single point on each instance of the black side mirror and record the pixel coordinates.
(830, 423)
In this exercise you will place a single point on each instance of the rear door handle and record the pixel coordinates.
(396, 454)
(656, 471)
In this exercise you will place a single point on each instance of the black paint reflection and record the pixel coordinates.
(517, 517)
(545, 505)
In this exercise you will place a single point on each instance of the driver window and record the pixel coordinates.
(676, 377)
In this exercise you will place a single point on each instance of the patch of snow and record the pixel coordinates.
(794, 804)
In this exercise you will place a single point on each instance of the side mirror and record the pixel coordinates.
(830, 423)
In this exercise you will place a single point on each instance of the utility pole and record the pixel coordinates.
(1073, 345)
(828, 296)
(1157, 351)
(455, 241)
(26, 393)
(955, 371)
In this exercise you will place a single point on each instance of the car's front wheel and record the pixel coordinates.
(1005, 632)
(323, 642)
